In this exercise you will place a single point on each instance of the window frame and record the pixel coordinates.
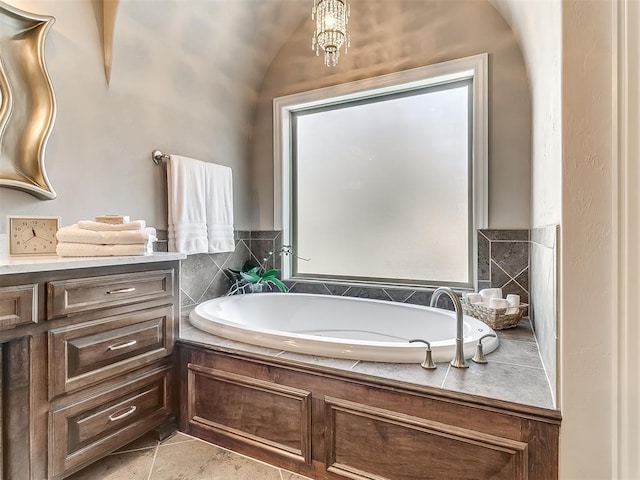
(474, 68)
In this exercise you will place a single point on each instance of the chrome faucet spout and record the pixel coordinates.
(458, 358)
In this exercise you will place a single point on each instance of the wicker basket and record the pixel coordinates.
(496, 318)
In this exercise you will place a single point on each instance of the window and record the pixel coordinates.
(384, 180)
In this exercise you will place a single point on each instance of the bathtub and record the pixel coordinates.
(339, 327)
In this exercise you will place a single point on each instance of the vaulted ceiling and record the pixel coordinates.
(233, 27)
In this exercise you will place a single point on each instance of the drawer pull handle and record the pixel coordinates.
(121, 290)
(120, 346)
(115, 416)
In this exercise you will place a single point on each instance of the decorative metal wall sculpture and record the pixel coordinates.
(27, 103)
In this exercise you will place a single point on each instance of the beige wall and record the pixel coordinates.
(627, 309)
(393, 36)
(177, 84)
(538, 27)
(588, 326)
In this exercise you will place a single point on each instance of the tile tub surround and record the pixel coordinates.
(204, 277)
(179, 457)
(544, 295)
(514, 372)
(503, 261)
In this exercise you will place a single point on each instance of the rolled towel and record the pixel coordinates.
(111, 227)
(498, 303)
(75, 234)
(65, 249)
(473, 297)
(514, 301)
(489, 293)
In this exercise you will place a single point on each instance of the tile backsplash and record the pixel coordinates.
(204, 276)
(503, 261)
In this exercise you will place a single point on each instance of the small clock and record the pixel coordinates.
(32, 235)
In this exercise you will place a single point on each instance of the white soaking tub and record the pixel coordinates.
(339, 327)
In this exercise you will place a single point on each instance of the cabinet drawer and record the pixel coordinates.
(92, 293)
(18, 306)
(80, 355)
(89, 428)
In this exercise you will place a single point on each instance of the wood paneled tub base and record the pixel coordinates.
(329, 424)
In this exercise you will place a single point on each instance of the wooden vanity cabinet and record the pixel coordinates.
(87, 364)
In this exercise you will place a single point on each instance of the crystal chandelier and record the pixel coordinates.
(331, 18)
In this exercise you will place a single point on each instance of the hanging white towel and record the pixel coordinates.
(187, 205)
(200, 206)
(220, 209)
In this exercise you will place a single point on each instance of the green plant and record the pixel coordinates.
(253, 278)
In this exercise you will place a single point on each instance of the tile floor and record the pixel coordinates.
(180, 457)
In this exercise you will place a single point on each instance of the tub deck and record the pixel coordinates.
(514, 372)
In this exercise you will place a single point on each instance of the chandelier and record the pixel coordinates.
(331, 18)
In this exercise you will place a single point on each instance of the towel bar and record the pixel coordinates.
(158, 157)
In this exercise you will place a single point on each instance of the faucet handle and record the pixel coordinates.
(479, 356)
(428, 359)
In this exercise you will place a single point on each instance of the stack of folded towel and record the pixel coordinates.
(110, 235)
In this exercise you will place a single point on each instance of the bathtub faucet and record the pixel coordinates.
(458, 358)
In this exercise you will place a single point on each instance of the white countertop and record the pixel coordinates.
(11, 265)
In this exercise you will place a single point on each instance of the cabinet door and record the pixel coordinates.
(18, 306)
(84, 429)
(89, 352)
(23, 408)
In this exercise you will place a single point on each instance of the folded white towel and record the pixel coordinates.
(75, 234)
(110, 227)
(200, 206)
(65, 249)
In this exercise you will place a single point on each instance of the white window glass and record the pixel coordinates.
(382, 188)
